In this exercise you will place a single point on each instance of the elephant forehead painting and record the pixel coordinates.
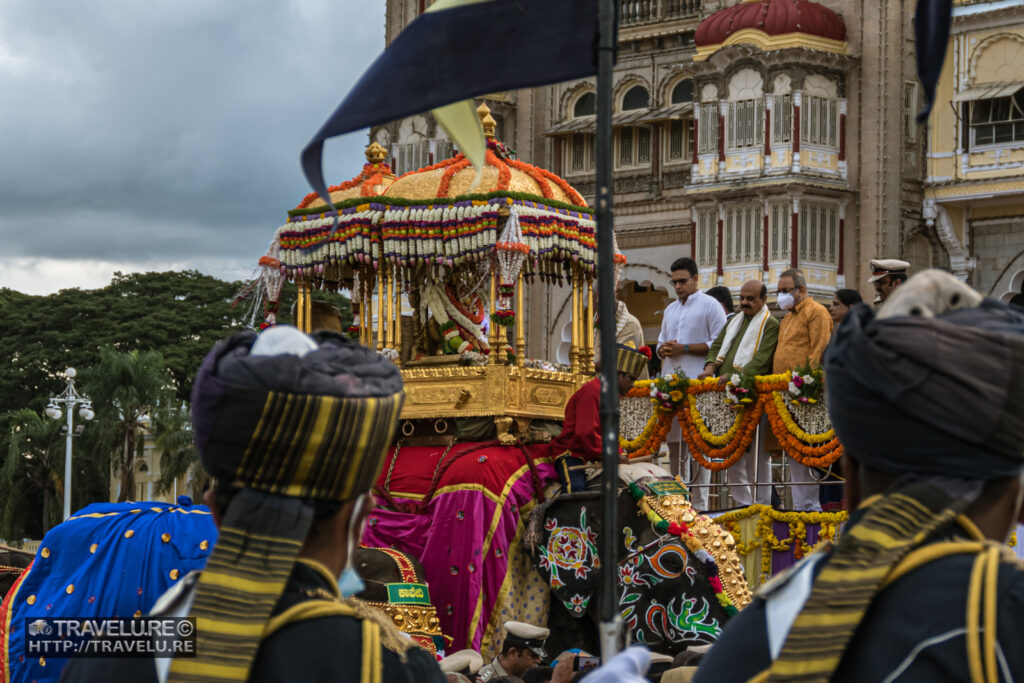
(670, 592)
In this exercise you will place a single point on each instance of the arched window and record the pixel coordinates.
(586, 105)
(919, 253)
(683, 92)
(636, 97)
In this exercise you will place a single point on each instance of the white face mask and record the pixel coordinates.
(350, 583)
(786, 301)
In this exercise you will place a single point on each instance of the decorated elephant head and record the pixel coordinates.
(394, 586)
(679, 578)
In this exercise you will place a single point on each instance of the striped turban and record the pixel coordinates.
(312, 423)
(928, 389)
(629, 359)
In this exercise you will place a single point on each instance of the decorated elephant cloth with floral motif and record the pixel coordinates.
(670, 580)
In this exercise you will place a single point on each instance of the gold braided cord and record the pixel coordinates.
(991, 586)
(367, 663)
(974, 664)
(890, 529)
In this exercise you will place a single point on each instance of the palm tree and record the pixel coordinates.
(35, 458)
(172, 436)
(126, 389)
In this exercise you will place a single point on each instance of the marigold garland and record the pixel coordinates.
(718, 452)
(793, 428)
(705, 433)
(764, 533)
(371, 176)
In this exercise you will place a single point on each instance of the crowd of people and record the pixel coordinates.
(919, 587)
(702, 335)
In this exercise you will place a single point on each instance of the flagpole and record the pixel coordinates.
(609, 627)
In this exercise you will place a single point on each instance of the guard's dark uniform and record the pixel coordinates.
(323, 648)
(914, 632)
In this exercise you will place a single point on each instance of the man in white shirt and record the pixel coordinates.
(688, 327)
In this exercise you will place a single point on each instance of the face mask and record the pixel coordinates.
(350, 583)
(786, 301)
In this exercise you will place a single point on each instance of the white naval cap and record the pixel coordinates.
(527, 636)
(882, 267)
(463, 661)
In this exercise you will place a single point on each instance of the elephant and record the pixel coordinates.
(394, 585)
(12, 563)
(106, 560)
(666, 578)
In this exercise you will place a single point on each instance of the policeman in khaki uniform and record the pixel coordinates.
(887, 275)
(522, 649)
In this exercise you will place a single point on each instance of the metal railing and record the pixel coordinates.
(635, 12)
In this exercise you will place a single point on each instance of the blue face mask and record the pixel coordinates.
(350, 583)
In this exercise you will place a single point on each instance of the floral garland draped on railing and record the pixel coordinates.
(764, 536)
(718, 429)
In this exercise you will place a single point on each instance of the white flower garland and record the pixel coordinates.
(434, 299)
(717, 415)
(634, 414)
(813, 418)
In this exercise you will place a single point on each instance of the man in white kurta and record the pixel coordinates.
(688, 326)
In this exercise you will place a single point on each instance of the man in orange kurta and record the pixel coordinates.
(803, 335)
(580, 440)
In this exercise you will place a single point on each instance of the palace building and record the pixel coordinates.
(759, 135)
(974, 183)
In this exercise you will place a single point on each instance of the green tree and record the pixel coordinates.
(126, 390)
(179, 314)
(34, 465)
(172, 435)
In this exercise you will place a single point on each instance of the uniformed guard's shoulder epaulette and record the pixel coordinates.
(376, 629)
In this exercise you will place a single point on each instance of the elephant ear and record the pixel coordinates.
(567, 555)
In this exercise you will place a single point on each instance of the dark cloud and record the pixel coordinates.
(168, 130)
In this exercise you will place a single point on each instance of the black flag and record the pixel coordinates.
(931, 31)
(467, 50)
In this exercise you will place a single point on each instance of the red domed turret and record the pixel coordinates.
(771, 17)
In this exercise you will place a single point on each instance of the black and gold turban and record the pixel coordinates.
(930, 389)
(287, 430)
(629, 359)
(948, 390)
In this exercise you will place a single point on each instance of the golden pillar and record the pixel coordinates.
(588, 342)
(574, 338)
(520, 323)
(397, 337)
(493, 338)
(302, 320)
(389, 340)
(381, 285)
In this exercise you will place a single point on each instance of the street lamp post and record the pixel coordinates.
(69, 399)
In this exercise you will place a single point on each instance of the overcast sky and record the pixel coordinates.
(165, 134)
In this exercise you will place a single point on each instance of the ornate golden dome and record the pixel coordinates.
(374, 179)
(502, 173)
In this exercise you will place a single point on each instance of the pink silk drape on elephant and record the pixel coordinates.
(463, 532)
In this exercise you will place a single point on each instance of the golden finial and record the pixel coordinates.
(376, 153)
(489, 124)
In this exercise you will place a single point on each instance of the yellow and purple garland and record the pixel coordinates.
(693, 545)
